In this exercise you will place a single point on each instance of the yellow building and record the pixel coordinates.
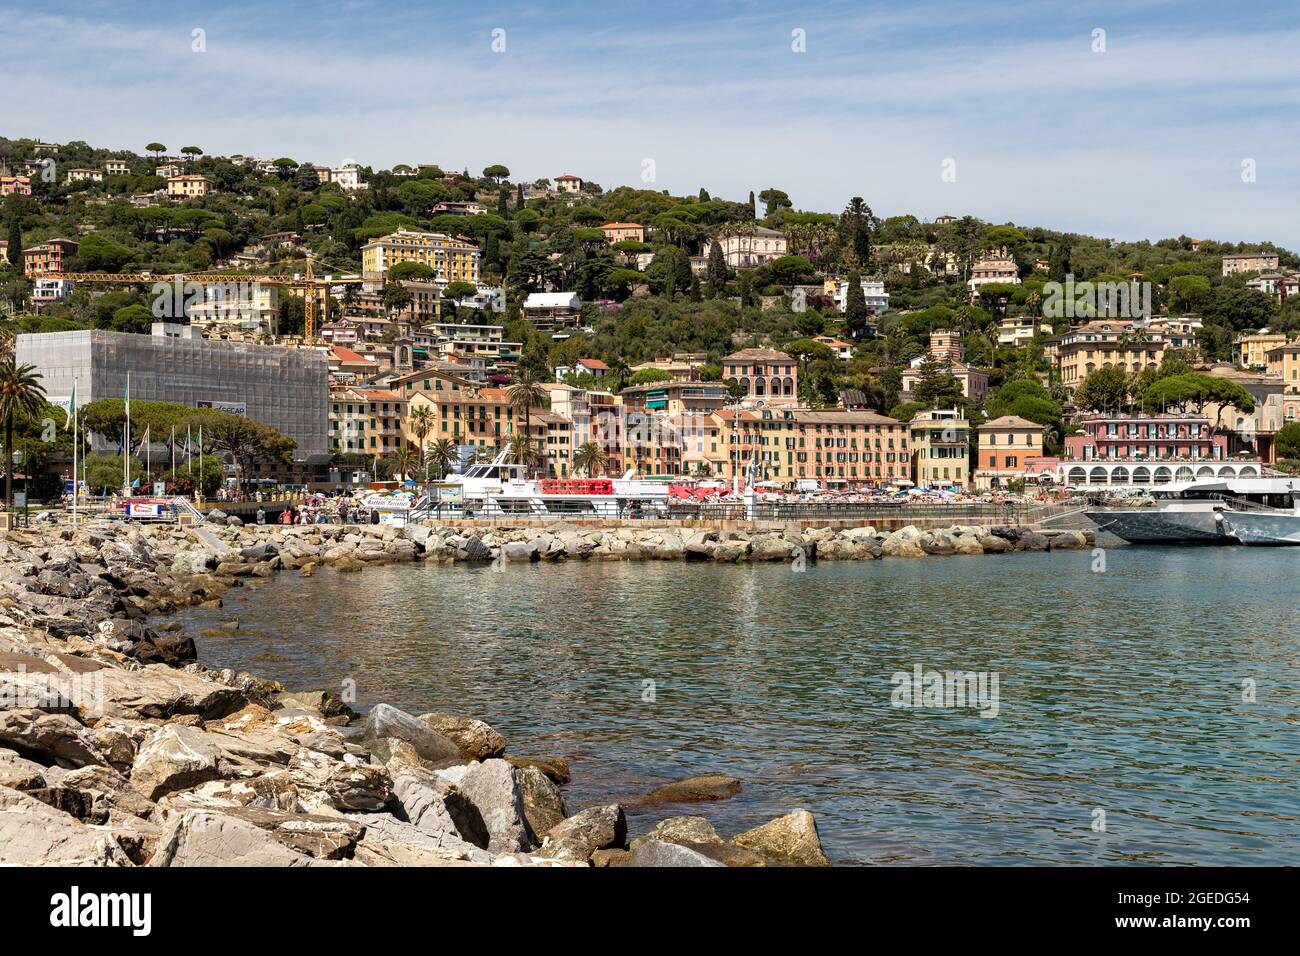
(940, 449)
(1125, 345)
(189, 187)
(1284, 363)
(454, 260)
(1252, 350)
(366, 422)
(835, 448)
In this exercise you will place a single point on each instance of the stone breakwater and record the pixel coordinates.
(119, 748)
(635, 542)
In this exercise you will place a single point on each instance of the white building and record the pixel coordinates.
(876, 296)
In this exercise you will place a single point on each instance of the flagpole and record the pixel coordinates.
(189, 452)
(74, 453)
(126, 445)
(173, 447)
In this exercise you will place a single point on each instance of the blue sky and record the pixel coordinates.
(1143, 140)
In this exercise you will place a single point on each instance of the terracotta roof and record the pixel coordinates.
(622, 225)
(1010, 421)
(347, 355)
(771, 354)
(593, 363)
(844, 417)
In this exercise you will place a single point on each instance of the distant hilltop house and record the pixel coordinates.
(48, 258)
(546, 310)
(15, 185)
(944, 220)
(117, 167)
(584, 366)
(568, 184)
(458, 209)
(168, 170)
(190, 186)
(1277, 284)
(347, 176)
(874, 292)
(619, 231)
(751, 246)
(1249, 262)
(84, 176)
(996, 266)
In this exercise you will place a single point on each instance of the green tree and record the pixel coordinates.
(590, 458)
(103, 473)
(1287, 441)
(497, 172)
(856, 314)
(246, 441)
(524, 395)
(21, 396)
(1103, 390)
(441, 455)
(157, 149)
(936, 387)
(717, 270)
(420, 421)
(856, 223)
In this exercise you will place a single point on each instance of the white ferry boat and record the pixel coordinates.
(500, 487)
(1194, 512)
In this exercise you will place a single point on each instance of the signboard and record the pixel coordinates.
(20, 499)
(159, 489)
(143, 509)
(234, 408)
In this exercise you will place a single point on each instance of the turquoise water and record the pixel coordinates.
(1120, 691)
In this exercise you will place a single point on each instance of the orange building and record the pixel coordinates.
(1005, 445)
(49, 258)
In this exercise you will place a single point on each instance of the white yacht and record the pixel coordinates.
(1193, 512)
(1266, 526)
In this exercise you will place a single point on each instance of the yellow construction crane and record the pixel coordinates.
(308, 284)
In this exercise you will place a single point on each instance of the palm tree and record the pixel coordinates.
(21, 396)
(589, 457)
(421, 422)
(524, 395)
(523, 451)
(404, 462)
(619, 370)
(442, 454)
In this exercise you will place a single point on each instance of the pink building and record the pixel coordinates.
(1146, 437)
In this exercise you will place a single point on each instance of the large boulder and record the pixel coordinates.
(903, 543)
(555, 768)
(476, 740)
(48, 738)
(176, 758)
(216, 838)
(159, 691)
(33, 833)
(789, 840)
(659, 853)
(389, 841)
(438, 808)
(577, 838)
(493, 789)
(386, 723)
(19, 773)
(544, 805)
(706, 787)
(697, 833)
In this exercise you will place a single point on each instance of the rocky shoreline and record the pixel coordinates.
(119, 748)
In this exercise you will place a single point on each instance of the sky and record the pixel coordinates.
(1128, 120)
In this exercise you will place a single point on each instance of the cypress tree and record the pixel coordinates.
(855, 306)
(15, 244)
(503, 209)
(717, 271)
